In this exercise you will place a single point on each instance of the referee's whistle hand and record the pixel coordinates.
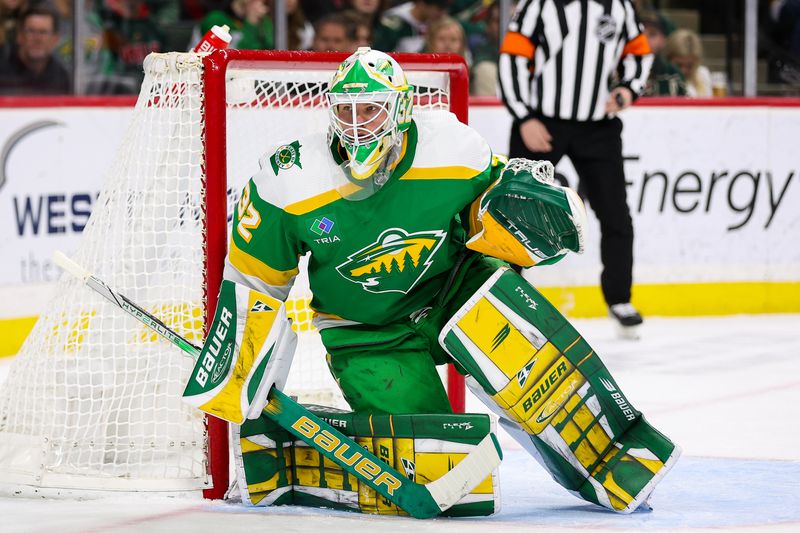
(619, 99)
(535, 136)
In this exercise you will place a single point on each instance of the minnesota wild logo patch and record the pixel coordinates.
(395, 262)
(286, 157)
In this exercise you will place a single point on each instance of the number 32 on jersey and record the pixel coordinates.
(249, 218)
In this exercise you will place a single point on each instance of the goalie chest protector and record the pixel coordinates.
(378, 259)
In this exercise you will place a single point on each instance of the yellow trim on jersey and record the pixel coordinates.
(315, 202)
(440, 173)
(250, 266)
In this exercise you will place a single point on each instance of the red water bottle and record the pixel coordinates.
(217, 38)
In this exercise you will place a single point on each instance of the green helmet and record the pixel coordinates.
(370, 106)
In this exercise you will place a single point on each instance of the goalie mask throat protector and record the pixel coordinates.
(355, 188)
(369, 108)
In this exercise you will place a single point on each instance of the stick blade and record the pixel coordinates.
(61, 259)
(468, 474)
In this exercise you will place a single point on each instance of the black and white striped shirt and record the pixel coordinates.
(559, 57)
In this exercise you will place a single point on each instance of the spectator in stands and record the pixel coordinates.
(685, 51)
(64, 10)
(403, 28)
(665, 78)
(780, 43)
(249, 21)
(301, 32)
(485, 49)
(10, 10)
(317, 9)
(193, 9)
(446, 36)
(362, 28)
(370, 10)
(31, 67)
(131, 30)
(96, 60)
(334, 33)
(786, 17)
(91, 29)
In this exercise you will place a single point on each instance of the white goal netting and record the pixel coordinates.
(92, 401)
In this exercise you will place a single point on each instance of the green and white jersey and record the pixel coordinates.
(375, 260)
(398, 30)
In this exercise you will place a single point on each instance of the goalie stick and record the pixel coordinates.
(417, 499)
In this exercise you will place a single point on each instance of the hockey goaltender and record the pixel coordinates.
(411, 223)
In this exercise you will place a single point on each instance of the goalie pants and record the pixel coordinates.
(392, 369)
(595, 149)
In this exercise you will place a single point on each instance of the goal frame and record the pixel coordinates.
(214, 110)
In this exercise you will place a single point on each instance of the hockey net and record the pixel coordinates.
(92, 401)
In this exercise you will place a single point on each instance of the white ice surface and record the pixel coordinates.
(726, 389)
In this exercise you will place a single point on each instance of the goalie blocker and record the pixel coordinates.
(249, 349)
(555, 396)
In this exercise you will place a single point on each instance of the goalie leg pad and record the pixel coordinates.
(424, 447)
(528, 363)
(248, 350)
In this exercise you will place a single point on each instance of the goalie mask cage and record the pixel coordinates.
(93, 400)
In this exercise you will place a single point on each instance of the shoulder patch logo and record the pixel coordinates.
(396, 262)
(286, 157)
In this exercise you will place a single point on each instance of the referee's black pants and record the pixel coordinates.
(595, 149)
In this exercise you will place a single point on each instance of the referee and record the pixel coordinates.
(566, 68)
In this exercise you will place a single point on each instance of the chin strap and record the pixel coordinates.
(390, 161)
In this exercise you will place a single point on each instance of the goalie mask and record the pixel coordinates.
(370, 107)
